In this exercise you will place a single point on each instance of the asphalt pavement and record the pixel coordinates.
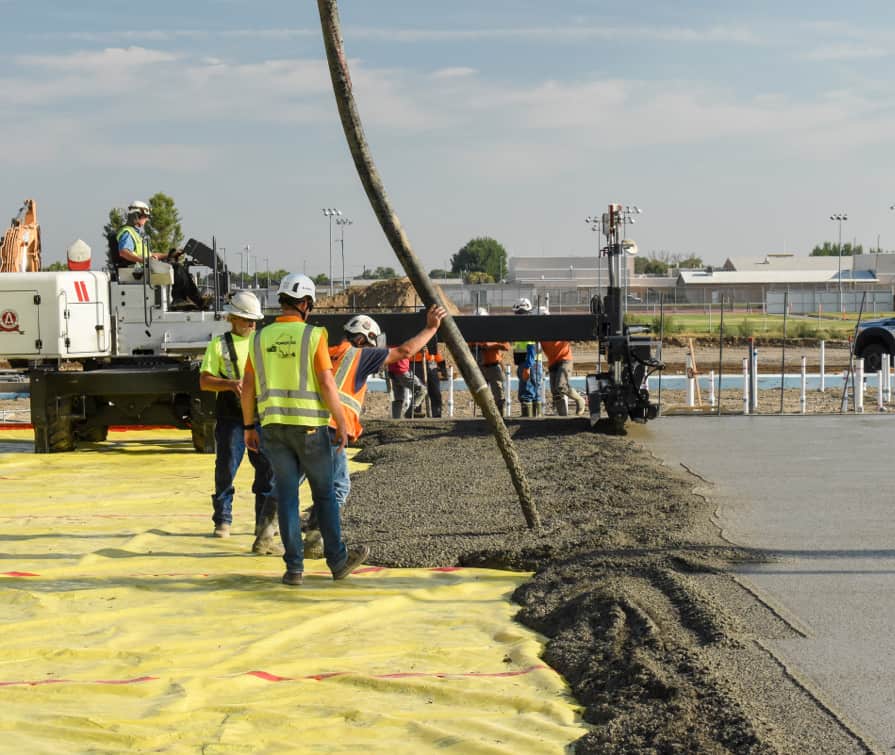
(816, 493)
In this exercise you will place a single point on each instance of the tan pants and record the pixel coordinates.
(561, 387)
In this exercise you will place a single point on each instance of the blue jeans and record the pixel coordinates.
(530, 389)
(341, 484)
(230, 448)
(294, 451)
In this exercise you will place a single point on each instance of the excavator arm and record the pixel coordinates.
(20, 245)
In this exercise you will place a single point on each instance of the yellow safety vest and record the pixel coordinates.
(141, 248)
(286, 386)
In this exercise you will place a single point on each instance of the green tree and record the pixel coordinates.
(829, 249)
(165, 232)
(651, 265)
(439, 274)
(479, 277)
(378, 273)
(55, 267)
(689, 263)
(321, 280)
(110, 233)
(481, 255)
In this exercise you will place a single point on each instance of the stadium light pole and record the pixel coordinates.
(331, 212)
(840, 217)
(596, 223)
(343, 221)
(628, 213)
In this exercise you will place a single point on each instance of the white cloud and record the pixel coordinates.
(98, 60)
(845, 52)
(453, 73)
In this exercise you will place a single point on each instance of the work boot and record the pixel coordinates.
(267, 547)
(222, 530)
(536, 409)
(561, 408)
(356, 557)
(313, 544)
(581, 408)
(293, 578)
(526, 409)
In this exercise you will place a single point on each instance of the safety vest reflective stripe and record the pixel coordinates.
(345, 366)
(140, 249)
(303, 402)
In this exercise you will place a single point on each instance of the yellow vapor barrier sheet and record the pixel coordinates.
(127, 627)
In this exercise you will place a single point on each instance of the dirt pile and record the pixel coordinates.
(662, 647)
(395, 294)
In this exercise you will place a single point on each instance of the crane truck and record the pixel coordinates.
(104, 348)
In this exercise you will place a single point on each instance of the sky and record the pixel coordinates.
(738, 128)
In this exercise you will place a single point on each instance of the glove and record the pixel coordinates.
(526, 373)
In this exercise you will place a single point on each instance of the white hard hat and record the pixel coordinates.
(364, 326)
(245, 304)
(522, 307)
(139, 208)
(481, 311)
(78, 256)
(298, 286)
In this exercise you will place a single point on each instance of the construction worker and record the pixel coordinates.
(427, 366)
(559, 368)
(133, 244)
(407, 389)
(489, 355)
(356, 358)
(528, 367)
(221, 372)
(289, 372)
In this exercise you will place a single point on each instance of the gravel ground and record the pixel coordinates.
(660, 644)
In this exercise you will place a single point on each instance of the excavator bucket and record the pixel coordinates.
(20, 245)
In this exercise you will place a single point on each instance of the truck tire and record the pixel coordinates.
(873, 358)
(60, 436)
(95, 434)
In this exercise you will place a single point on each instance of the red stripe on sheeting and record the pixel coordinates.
(39, 682)
(113, 428)
(18, 574)
(268, 677)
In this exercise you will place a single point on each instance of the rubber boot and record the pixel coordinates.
(561, 407)
(536, 409)
(526, 409)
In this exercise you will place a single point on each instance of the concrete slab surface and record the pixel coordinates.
(816, 493)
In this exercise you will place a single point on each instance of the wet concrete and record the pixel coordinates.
(814, 494)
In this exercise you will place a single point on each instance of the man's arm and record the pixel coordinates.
(330, 395)
(216, 384)
(411, 346)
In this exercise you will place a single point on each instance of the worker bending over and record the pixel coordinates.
(356, 358)
(559, 368)
(489, 355)
(289, 372)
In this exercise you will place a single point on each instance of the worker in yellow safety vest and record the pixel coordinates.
(289, 374)
(133, 246)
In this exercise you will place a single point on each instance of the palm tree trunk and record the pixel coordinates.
(388, 219)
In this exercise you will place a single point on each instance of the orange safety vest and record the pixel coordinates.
(491, 352)
(432, 357)
(345, 359)
(557, 351)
